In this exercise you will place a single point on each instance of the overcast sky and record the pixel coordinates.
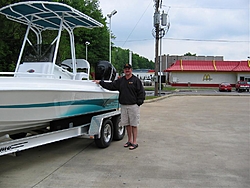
(202, 27)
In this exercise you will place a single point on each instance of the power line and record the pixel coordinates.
(205, 40)
(136, 24)
(189, 39)
(211, 8)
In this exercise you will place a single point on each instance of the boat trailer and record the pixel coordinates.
(103, 128)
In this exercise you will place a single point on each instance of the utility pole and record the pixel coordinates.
(161, 26)
(157, 29)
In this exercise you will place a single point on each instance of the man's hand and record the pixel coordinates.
(96, 81)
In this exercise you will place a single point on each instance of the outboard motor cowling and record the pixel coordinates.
(104, 70)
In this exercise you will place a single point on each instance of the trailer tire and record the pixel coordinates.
(18, 136)
(106, 134)
(119, 131)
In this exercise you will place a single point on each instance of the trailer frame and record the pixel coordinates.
(93, 129)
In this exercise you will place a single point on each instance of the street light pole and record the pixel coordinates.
(87, 43)
(109, 16)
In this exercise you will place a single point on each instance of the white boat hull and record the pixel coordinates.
(28, 104)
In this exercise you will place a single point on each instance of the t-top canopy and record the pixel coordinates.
(48, 15)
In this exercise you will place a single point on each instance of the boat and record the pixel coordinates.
(42, 89)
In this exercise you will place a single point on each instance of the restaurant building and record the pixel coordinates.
(207, 73)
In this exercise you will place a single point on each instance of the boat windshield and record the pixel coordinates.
(39, 53)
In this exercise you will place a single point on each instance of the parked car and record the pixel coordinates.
(225, 86)
(242, 86)
(147, 82)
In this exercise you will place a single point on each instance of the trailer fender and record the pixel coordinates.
(97, 122)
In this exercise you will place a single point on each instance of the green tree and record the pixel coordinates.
(189, 54)
(121, 56)
(11, 37)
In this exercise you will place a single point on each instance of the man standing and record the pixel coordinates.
(131, 96)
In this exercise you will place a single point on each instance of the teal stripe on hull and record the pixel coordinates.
(86, 109)
(74, 107)
(97, 102)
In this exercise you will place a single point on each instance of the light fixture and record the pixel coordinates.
(109, 16)
(87, 43)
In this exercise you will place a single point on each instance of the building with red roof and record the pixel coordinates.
(209, 73)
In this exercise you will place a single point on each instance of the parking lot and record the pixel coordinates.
(184, 142)
(191, 91)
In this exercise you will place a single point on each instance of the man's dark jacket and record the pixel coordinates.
(131, 91)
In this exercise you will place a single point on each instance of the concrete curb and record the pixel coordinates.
(159, 98)
(190, 94)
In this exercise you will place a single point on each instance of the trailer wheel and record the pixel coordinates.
(119, 131)
(106, 134)
(17, 136)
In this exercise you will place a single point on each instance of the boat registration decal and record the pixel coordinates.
(12, 147)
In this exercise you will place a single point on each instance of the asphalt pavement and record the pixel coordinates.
(203, 92)
(185, 141)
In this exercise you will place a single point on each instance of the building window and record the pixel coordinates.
(242, 78)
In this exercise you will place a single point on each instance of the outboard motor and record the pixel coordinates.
(104, 70)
